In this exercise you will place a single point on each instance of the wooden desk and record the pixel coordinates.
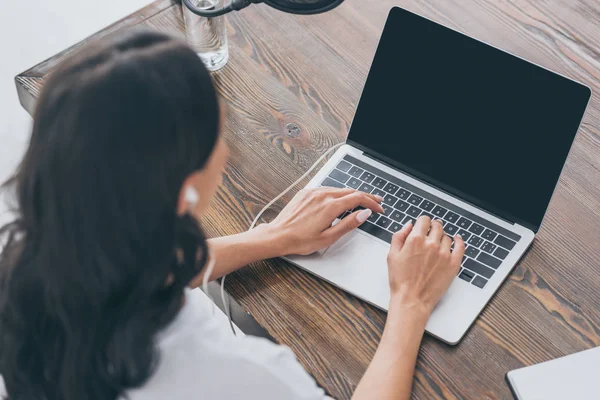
(310, 71)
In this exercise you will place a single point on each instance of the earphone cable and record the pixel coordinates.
(226, 304)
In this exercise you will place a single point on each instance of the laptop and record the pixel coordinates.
(452, 128)
(573, 377)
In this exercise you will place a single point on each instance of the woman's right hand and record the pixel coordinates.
(421, 268)
(421, 265)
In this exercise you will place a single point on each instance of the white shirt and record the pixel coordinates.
(200, 358)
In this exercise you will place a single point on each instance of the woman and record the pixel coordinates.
(125, 156)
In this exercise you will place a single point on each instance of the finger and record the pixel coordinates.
(422, 226)
(399, 237)
(446, 244)
(375, 197)
(337, 193)
(356, 199)
(347, 224)
(459, 250)
(436, 232)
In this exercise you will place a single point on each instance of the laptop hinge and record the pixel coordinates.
(381, 160)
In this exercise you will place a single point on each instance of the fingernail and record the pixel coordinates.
(363, 215)
(378, 198)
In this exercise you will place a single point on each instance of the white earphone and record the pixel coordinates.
(191, 196)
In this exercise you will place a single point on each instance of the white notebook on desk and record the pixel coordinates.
(574, 377)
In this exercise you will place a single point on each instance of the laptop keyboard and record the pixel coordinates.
(486, 243)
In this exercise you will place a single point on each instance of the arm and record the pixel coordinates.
(391, 371)
(302, 227)
(421, 268)
(235, 251)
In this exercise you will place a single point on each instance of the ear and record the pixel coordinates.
(188, 197)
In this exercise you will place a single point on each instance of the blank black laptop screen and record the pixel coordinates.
(468, 118)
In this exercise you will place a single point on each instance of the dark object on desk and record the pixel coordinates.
(549, 305)
(239, 316)
(289, 6)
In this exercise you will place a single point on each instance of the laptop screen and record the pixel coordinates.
(472, 120)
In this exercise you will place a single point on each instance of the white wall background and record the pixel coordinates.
(30, 32)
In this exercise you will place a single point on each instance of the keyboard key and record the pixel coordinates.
(355, 171)
(403, 193)
(488, 260)
(383, 222)
(365, 187)
(476, 229)
(391, 188)
(463, 223)
(379, 183)
(354, 183)
(451, 217)
(471, 251)
(461, 270)
(373, 217)
(479, 282)
(488, 247)
(409, 219)
(376, 231)
(427, 205)
(450, 229)
(395, 227)
(387, 210)
(367, 177)
(501, 253)
(415, 200)
(439, 211)
(505, 242)
(402, 205)
(413, 211)
(478, 268)
(339, 176)
(489, 235)
(378, 192)
(475, 241)
(332, 183)
(344, 166)
(465, 235)
(397, 216)
(466, 275)
(389, 199)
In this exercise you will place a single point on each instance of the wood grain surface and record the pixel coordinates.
(310, 70)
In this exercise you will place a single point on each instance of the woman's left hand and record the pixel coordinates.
(304, 225)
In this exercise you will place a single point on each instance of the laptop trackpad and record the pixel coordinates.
(356, 263)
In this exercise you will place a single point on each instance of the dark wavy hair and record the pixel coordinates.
(92, 266)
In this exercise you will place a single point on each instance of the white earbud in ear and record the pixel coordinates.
(191, 196)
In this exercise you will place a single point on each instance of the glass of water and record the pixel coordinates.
(207, 36)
